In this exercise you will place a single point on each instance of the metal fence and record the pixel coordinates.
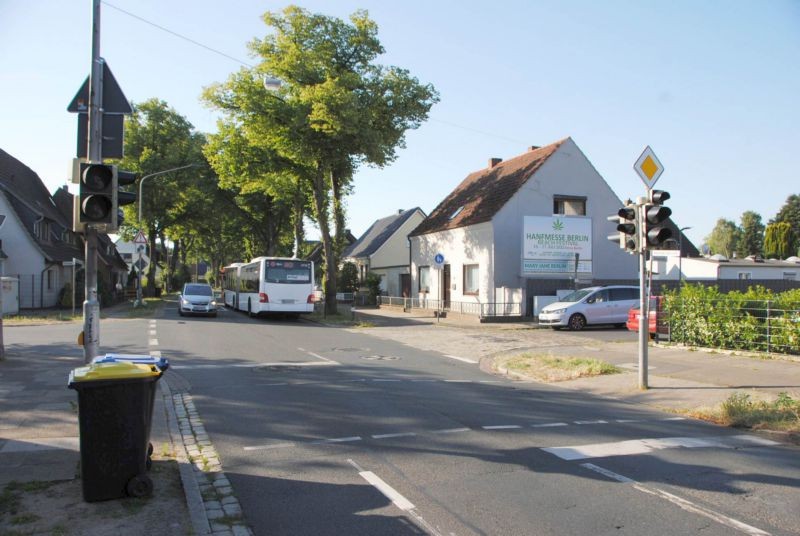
(734, 324)
(482, 310)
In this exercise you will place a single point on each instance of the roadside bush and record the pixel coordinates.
(348, 277)
(755, 320)
(373, 284)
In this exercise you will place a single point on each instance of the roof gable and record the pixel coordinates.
(378, 233)
(483, 193)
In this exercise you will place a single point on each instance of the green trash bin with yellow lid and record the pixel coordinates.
(115, 405)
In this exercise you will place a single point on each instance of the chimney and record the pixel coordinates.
(534, 147)
(400, 211)
(494, 161)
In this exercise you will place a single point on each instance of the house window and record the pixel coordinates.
(790, 276)
(471, 279)
(745, 275)
(424, 278)
(569, 205)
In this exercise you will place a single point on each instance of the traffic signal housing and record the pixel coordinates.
(627, 236)
(96, 194)
(123, 197)
(654, 215)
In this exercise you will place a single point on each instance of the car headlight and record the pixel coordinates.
(214, 303)
(557, 311)
(184, 302)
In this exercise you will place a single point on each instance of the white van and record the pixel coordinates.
(593, 305)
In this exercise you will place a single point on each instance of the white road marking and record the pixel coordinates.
(502, 427)
(628, 420)
(273, 446)
(387, 436)
(419, 381)
(457, 381)
(598, 421)
(549, 425)
(155, 353)
(643, 446)
(464, 359)
(39, 443)
(336, 440)
(682, 503)
(388, 491)
(152, 333)
(379, 380)
(153, 342)
(331, 361)
(673, 419)
(451, 430)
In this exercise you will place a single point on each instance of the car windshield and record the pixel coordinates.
(197, 290)
(578, 295)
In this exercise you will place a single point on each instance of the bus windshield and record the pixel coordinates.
(288, 272)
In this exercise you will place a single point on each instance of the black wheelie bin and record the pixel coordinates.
(115, 405)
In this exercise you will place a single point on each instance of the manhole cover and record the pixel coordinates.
(380, 357)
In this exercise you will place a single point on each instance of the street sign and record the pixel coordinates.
(438, 261)
(648, 167)
(140, 265)
(113, 130)
(114, 101)
(140, 238)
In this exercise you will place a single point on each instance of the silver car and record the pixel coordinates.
(588, 306)
(197, 298)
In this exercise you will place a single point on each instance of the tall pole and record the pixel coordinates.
(644, 314)
(91, 307)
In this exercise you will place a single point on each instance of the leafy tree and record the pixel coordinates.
(751, 240)
(779, 241)
(336, 109)
(790, 213)
(724, 238)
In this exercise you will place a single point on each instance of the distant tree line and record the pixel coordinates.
(778, 239)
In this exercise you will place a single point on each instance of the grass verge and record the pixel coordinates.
(146, 310)
(741, 410)
(549, 368)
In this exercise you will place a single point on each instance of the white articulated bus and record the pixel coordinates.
(230, 284)
(271, 285)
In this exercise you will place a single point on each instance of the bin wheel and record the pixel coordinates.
(139, 486)
(149, 449)
(148, 463)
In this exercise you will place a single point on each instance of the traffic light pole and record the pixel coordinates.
(91, 307)
(644, 302)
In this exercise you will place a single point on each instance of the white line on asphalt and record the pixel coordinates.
(628, 420)
(643, 446)
(153, 342)
(152, 333)
(598, 421)
(387, 436)
(273, 446)
(682, 503)
(502, 427)
(673, 419)
(155, 353)
(464, 359)
(549, 425)
(421, 381)
(331, 361)
(388, 491)
(457, 381)
(386, 380)
(451, 430)
(336, 440)
(489, 381)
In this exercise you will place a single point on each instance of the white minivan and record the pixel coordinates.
(593, 305)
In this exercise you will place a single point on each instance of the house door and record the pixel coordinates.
(405, 285)
(446, 286)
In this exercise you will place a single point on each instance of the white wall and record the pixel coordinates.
(394, 252)
(465, 245)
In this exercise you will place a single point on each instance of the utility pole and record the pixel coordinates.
(91, 307)
(644, 301)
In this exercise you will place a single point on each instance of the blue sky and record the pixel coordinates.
(712, 86)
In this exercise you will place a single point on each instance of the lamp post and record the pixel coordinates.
(680, 253)
(140, 200)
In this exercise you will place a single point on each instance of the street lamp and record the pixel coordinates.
(680, 253)
(139, 220)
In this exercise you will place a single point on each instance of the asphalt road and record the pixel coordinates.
(336, 431)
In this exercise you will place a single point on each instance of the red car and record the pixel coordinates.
(657, 323)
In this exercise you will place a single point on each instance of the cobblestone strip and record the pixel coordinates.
(221, 506)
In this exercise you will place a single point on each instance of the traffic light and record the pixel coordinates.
(654, 215)
(96, 194)
(627, 219)
(123, 197)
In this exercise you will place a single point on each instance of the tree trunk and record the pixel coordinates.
(320, 192)
(297, 217)
(337, 183)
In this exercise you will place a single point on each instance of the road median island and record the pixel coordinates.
(550, 368)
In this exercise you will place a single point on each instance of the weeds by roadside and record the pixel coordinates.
(549, 368)
(146, 310)
(741, 410)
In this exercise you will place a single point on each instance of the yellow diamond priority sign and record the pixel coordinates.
(648, 167)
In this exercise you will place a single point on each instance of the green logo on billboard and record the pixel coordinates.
(558, 225)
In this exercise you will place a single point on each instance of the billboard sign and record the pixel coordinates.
(550, 243)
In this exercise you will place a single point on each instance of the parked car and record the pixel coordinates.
(657, 319)
(197, 298)
(591, 306)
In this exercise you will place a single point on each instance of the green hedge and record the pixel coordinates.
(755, 320)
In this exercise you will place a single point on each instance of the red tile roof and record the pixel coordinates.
(483, 193)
